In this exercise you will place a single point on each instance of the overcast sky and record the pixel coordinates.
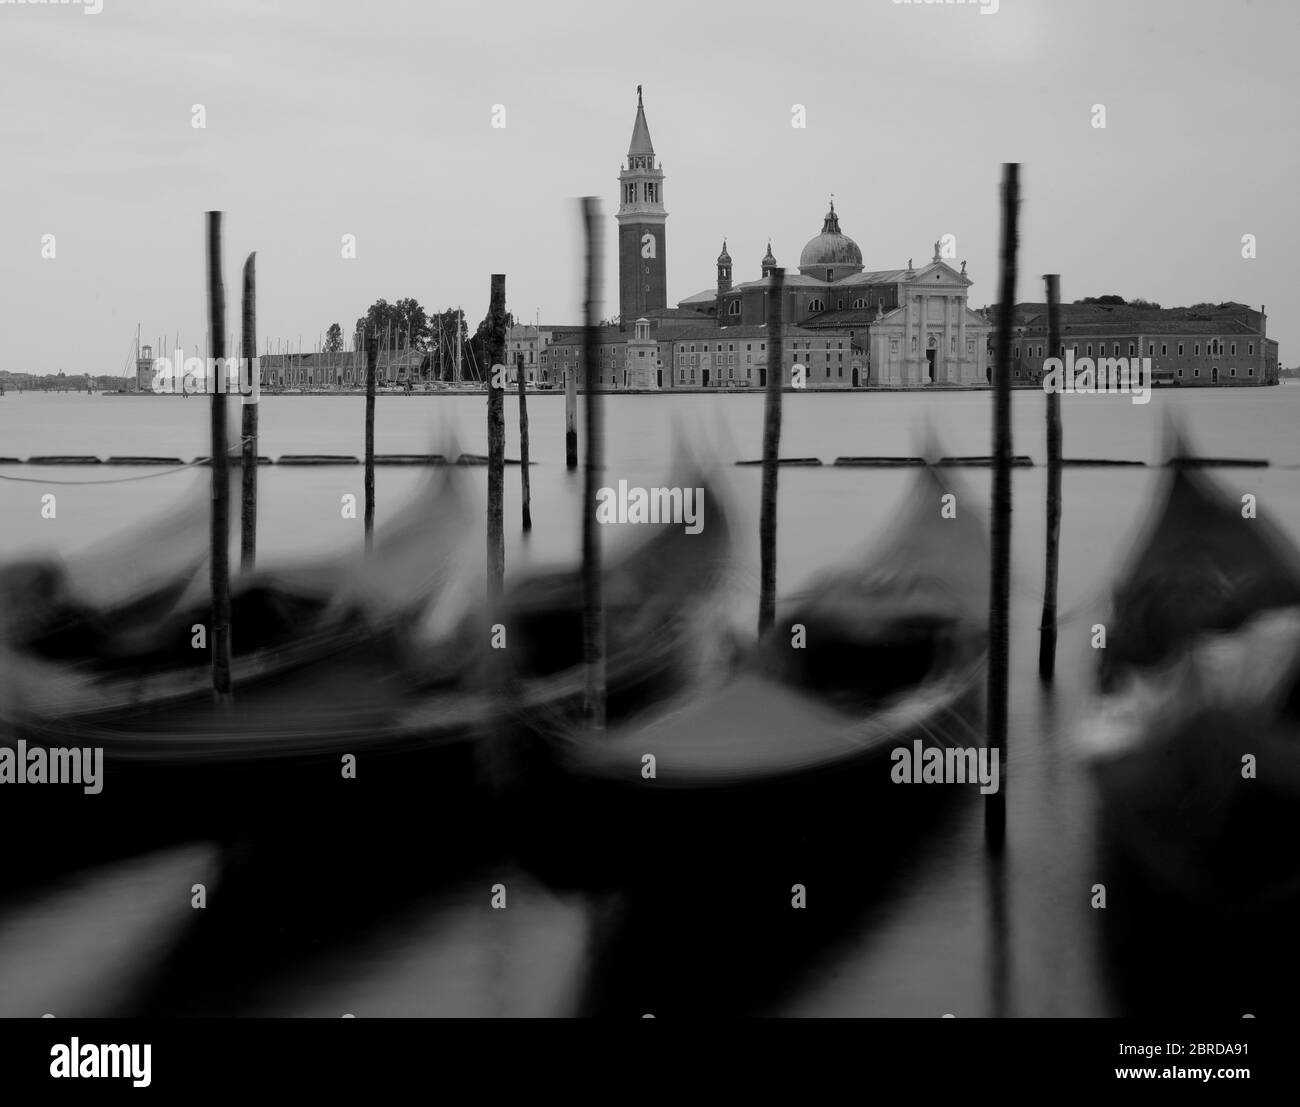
(337, 117)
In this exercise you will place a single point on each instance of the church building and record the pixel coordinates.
(849, 327)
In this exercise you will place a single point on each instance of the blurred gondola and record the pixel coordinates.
(704, 810)
(1195, 749)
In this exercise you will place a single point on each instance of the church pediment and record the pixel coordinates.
(937, 274)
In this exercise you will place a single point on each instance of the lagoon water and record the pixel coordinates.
(940, 943)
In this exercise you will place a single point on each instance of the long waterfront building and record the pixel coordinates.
(1209, 344)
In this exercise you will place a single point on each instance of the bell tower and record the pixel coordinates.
(642, 256)
(724, 270)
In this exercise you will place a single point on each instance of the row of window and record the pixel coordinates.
(651, 192)
(730, 359)
(685, 374)
(807, 344)
(609, 356)
(1212, 349)
(814, 305)
(952, 345)
(1232, 372)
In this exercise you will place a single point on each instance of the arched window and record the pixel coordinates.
(859, 303)
(817, 305)
(733, 308)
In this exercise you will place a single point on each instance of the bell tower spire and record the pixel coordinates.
(642, 264)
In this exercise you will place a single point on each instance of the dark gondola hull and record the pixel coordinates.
(791, 761)
(615, 830)
(327, 661)
(1195, 753)
(278, 762)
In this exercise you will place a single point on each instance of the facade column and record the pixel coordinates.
(906, 359)
(947, 338)
(961, 332)
(924, 304)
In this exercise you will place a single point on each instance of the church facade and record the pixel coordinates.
(847, 326)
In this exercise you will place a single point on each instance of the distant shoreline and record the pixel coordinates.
(481, 391)
(937, 389)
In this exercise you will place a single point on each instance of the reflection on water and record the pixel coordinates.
(940, 930)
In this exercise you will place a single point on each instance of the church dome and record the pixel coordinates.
(831, 248)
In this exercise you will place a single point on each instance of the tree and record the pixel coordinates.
(1139, 302)
(446, 328)
(414, 325)
(478, 356)
(404, 324)
(1110, 299)
(334, 339)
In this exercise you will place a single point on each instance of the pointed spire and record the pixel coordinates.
(724, 258)
(641, 145)
(831, 224)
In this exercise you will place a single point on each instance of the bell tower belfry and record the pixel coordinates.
(642, 257)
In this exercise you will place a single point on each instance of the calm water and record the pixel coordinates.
(932, 947)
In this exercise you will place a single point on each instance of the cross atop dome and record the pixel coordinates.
(831, 224)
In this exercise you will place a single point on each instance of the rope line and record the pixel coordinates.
(235, 451)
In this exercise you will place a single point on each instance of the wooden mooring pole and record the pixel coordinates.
(249, 404)
(593, 601)
(1047, 624)
(523, 443)
(771, 452)
(995, 803)
(372, 364)
(496, 428)
(570, 420)
(220, 528)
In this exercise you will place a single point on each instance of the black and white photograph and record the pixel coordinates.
(689, 512)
